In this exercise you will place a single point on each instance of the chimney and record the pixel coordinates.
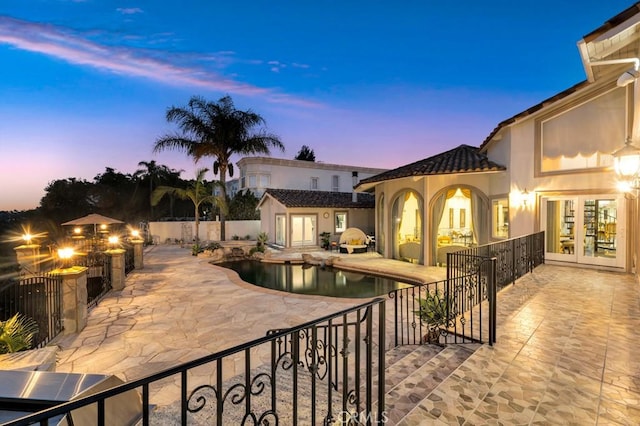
(354, 194)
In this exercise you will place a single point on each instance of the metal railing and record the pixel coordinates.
(98, 275)
(515, 258)
(282, 378)
(456, 310)
(129, 259)
(36, 297)
(463, 307)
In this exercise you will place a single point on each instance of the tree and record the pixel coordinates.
(243, 206)
(218, 130)
(197, 192)
(156, 174)
(306, 154)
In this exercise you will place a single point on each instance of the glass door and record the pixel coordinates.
(602, 239)
(584, 229)
(281, 228)
(559, 215)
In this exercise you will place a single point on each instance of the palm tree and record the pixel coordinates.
(155, 173)
(17, 333)
(218, 130)
(197, 192)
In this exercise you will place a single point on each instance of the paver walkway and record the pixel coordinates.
(567, 347)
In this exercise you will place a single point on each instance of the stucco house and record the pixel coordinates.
(296, 218)
(548, 168)
(260, 173)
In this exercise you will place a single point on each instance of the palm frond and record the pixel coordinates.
(16, 333)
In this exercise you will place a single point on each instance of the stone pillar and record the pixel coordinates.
(117, 268)
(29, 258)
(138, 259)
(74, 298)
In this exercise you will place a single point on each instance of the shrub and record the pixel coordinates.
(235, 238)
(16, 334)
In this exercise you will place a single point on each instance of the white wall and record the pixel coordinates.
(296, 174)
(208, 230)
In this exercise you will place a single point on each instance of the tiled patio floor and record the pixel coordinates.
(567, 350)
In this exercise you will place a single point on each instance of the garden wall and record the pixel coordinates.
(175, 232)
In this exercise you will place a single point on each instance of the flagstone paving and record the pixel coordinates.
(567, 347)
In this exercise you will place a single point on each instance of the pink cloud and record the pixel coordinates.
(62, 44)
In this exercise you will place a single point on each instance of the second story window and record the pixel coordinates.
(252, 181)
(335, 183)
(265, 181)
(314, 183)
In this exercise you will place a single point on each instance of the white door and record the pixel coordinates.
(281, 230)
(303, 230)
(584, 229)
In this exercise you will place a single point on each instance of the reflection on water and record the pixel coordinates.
(305, 279)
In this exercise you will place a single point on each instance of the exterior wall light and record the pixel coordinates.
(626, 162)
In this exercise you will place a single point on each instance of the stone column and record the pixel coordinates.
(138, 259)
(117, 268)
(74, 298)
(29, 258)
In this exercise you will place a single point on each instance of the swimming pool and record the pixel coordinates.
(305, 279)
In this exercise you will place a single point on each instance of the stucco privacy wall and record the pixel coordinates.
(163, 232)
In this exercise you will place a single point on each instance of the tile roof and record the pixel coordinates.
(463, 159)
(301, 198)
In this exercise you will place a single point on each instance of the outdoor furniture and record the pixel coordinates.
(353, 240)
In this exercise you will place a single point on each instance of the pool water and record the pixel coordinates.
(305, 279)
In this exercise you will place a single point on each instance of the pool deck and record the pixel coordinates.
(567, 345)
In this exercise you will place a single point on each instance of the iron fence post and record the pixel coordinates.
(492, 302)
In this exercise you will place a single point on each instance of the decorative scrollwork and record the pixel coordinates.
(200, 400)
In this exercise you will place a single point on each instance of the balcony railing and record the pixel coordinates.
(324, 371)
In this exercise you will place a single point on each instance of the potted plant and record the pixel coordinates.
(434, 311)
(325, 238)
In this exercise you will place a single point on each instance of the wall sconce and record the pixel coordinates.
(65, 255)
(525, 198)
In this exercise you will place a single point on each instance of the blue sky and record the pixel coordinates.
(85, 84)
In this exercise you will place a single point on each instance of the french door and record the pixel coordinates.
(586, 229)
(303, 230)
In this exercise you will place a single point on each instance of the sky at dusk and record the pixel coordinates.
(85, 84)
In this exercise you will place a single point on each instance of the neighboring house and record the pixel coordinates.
(260, 173)
(232, 187)
(547, 168)
(296, 218)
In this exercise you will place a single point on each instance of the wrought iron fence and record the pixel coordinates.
(36, 297)
(321, 372)
(98, 275)
(456, 310)
(515, 258)
(129, 259)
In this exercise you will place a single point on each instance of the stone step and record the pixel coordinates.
(407, 386)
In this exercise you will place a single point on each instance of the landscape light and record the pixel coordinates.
(135, 233)
(65, 255)
(27, 238)
(113, 240)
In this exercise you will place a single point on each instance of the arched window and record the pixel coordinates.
(407, 219)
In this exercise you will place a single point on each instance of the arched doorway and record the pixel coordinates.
(459, 219)
(407, 218)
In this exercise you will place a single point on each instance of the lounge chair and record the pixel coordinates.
(353, 240)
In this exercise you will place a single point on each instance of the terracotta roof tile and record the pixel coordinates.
(301, 198)
(463, 159)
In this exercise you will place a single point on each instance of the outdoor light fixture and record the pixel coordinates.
(77, 230)
(113, 240)
(27, 238)
(135, 233)
(65, 255)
